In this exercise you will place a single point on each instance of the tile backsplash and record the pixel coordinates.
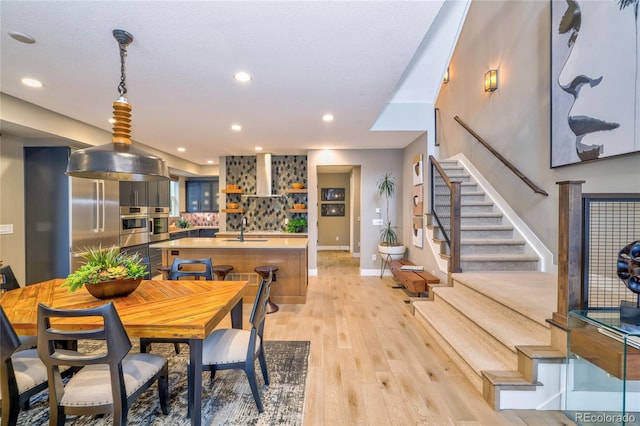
(198, 219)
(266, 214)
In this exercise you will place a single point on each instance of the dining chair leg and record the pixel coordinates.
(163, 390)
(250, 371)
(263, 366)
(176, 347)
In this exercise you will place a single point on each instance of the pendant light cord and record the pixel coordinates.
(122, 88)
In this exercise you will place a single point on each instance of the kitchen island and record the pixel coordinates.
(288, 254)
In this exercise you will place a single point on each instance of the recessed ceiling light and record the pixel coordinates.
(236, 127)
(181, 149)
(32, 82)
(242, 76)
(209, 161)
(327, 117)
(22, 37)
(258, 148)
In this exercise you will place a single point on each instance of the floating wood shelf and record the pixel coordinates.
(233, 210)
(232, 191)
(296, 191)
(297, 210)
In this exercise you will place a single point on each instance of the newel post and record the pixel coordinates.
(570, 234)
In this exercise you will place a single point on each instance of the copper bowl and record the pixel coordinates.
(297, 185)
(233, 205)
(299, 206)
(232, 186)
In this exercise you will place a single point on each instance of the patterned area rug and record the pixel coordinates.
(227, 402)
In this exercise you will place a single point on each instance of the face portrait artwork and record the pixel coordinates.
(596, 80)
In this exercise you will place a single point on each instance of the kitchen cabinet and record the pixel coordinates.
(208, 233)
(133, 194)
(201, 196)
(158, 193)
(179, 234)
(194, 233)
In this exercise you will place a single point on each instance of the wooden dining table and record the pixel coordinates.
(185, 310)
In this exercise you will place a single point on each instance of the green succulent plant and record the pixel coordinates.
(296, 225)
(105, 264)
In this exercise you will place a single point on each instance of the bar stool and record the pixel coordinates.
(263, 271)
(221, 271)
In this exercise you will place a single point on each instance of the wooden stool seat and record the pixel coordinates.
(221, 271)
(263, 271)
(165, 269)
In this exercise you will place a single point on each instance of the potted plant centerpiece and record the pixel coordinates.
(389, 244)
(108, 272)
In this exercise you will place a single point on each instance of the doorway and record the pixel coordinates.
(339, 209)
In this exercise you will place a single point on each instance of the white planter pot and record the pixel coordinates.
(395, 252)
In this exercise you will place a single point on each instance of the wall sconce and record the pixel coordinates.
(491, 80)
(445, 80)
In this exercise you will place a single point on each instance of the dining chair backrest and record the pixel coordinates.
(9, 340)
(147, 263)
(8, 280)
(259, 310)
(178, 272)
(110, 330)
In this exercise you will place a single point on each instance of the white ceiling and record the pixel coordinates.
(307, 58)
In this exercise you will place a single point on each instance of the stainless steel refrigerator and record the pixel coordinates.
(64, 215)
(94, 217)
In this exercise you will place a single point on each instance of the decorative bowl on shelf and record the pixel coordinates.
(233, 205)
(297, 185)
(232, 186)
(299, 206)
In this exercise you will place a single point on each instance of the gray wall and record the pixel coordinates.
(334, 230)
(514, 37)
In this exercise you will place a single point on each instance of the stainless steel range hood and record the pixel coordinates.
(263, 178)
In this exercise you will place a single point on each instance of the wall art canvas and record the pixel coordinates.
(417, 234)
(332, 194)
(595, 80)
(416, 201)
(416, 171)
(332, 209)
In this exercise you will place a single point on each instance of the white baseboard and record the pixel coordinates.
(374, 273)
(313, 272)
(343, 248)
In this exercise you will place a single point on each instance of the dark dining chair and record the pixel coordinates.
(176, 273)
(233, 348)
(8, 281)
(22, 374)
(110, 380)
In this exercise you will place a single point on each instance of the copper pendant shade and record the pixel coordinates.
(119, 160)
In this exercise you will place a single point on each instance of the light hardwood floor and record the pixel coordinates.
(372, 363)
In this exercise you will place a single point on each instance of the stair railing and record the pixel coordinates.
(506, 162)
(445, 209)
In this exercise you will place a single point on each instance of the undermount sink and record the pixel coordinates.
(247, 240)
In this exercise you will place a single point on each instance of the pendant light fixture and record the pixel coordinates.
(119, 160)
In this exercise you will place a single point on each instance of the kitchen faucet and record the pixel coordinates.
(243, 222)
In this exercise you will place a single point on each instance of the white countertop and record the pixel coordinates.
(261, 243)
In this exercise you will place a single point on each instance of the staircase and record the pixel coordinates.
(491, 320)
(489, 242)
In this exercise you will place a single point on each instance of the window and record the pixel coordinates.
(174, 189)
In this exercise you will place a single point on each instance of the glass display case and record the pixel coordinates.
(603, 369)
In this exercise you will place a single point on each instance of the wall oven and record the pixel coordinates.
(134, 226)
(158, 223)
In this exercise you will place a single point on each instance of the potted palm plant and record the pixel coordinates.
(389, 244)
(107, 272)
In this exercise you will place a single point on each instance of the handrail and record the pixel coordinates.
(506, 162)
(452, 235)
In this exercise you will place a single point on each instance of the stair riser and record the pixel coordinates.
(459, 177)
(444, 199)
(470, 208)
(491, 248)
(482, 220)
(473, 266)
(486, 233)
(465, 188)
